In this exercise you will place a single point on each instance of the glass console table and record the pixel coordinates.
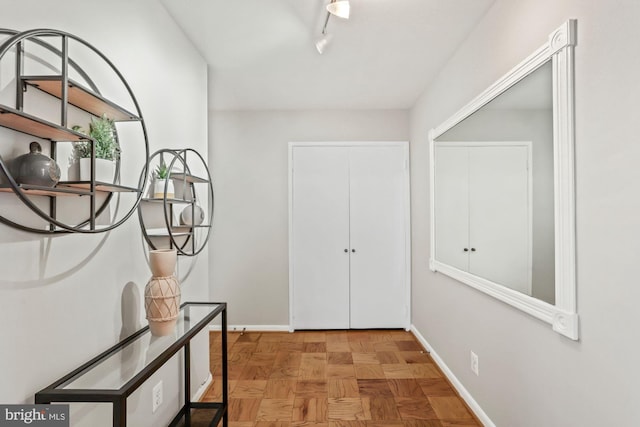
(113, 375)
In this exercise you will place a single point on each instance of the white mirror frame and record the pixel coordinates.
(563, 315)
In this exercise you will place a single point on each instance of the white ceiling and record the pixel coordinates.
(262, 56)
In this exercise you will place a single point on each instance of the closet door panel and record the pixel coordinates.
(320, 237)
(452, 206)
(499, 215)
(378, 233)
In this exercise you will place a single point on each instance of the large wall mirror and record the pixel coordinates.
(502, 188)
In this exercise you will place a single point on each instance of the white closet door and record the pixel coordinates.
(499, 220)
(378, 233)
(320, 236)
(452, 205)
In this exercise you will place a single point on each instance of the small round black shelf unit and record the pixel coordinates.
(177, 213)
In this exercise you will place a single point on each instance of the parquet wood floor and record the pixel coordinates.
(379, 378)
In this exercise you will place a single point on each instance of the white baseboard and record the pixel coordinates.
(252, 328)
(203, 388)
(464, 393)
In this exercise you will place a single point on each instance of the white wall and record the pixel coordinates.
(249, 255)
(65, 299)
(529, 375)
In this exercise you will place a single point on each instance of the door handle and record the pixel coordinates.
(346, 250)
(353, 250)
(466, 249)
(473, 249)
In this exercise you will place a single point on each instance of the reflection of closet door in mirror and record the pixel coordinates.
(499, 217)
(483, 218)
(452, 206)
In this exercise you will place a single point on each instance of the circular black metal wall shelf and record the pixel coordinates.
(82, 95)
(189, 176)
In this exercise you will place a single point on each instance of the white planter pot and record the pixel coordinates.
(159, 186)
(105, 170)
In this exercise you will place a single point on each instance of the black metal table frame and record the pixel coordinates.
(118, 397)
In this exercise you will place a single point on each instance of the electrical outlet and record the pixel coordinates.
(156, 396)
(474, 364)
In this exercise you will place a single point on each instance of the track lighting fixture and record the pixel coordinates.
(322, 43)
(339, 8)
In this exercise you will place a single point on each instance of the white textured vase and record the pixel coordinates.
(162, 292)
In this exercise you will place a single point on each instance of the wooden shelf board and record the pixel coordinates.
(81, 97)
(163, 232)
(31, 125)
(34, 190)
(187, 177)
(160, 200)
(100, 186)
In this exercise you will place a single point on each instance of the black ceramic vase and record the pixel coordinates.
(34, 168)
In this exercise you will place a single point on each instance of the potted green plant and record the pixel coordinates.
(162, 180)
(107, 150)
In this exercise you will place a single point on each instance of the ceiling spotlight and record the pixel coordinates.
(340, 8)
(322, 43)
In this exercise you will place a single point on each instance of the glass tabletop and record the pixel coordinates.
(117, 369)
